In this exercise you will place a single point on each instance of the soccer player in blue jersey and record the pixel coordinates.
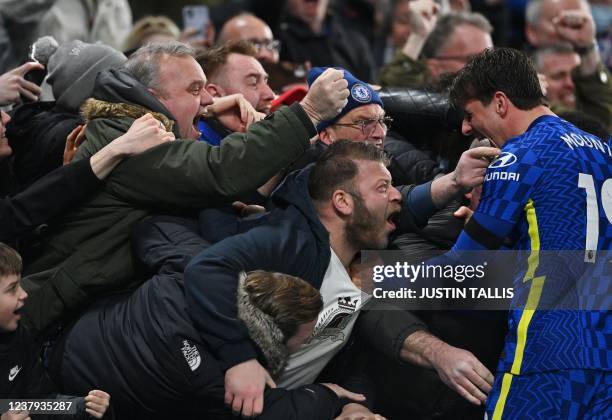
(550, 189)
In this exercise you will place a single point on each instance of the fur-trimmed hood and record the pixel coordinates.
(263, 331)
(118, 94)
(95, 108)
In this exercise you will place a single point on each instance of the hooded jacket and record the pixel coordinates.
(292, 240)
(86, 254)
(144, 350)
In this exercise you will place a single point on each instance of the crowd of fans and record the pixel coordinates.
(183, 209)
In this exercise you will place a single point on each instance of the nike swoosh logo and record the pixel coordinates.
(12, 374)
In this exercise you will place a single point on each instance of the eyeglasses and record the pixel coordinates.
(268, 44)
(368, 126)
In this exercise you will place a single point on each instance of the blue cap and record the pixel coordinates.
(361, 94)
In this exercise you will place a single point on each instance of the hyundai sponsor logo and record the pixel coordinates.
(503, 160)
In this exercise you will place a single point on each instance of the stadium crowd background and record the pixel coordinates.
(117, 220)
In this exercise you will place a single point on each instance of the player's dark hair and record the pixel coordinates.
(498, 69)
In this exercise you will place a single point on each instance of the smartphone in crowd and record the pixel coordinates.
(35, 76)
(196, 17)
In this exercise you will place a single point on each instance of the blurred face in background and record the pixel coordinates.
(251, 28)
(465, 42)
(308, 11)
(543, 32)
(558, 67)
(400, 26)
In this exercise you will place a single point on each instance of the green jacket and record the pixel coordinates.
(87, 253)
(403, 71)
(594, 95)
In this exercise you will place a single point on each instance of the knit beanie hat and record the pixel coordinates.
(72, 71)
(361, 94)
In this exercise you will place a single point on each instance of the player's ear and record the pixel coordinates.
(501, 103)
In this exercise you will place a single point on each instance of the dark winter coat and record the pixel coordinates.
(23, 376)
(292, 240)
(37, 134)
(337, 46)
(144, 350)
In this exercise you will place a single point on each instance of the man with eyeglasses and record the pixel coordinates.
(362, 119)
(246, 26)
(365, 122)
(436, 47)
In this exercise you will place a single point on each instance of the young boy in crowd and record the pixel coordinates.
(22, 373)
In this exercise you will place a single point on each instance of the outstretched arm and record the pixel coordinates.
(69, 185)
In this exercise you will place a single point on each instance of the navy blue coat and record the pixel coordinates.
(291, 240)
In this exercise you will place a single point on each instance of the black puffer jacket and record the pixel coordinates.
(144, 350)
(409, 164)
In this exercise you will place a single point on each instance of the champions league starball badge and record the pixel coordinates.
(361, 93)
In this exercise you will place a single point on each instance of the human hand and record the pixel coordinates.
(576, 27)
(354, 411)
(73, 141)
(462, 371)
(13, 84)
(344, 393)
(472, 166)
(247, 209)
(423, 16)
(244, 388)
(146, 132)
(96, 403)
(234, 112)
(327, 96)
(16, 415)
(465, 213)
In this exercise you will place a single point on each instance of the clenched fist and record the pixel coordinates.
(327, 96)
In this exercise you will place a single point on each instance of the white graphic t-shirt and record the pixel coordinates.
(342, 301)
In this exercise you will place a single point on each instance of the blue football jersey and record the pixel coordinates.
(550, 190)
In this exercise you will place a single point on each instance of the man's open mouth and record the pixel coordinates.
(196, 125)
(390, 220)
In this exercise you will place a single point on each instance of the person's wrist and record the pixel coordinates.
(309, 110)
(432, 350)
(118, 149)
(457, 188)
